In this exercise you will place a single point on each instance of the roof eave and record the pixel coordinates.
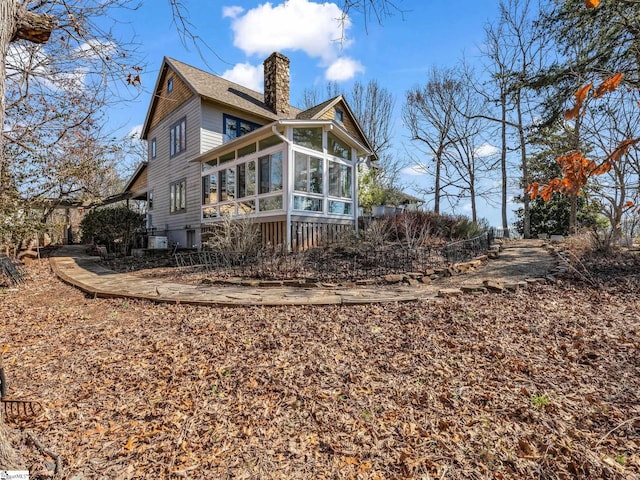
(224, 148)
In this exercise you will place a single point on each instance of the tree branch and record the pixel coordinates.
(33, 27)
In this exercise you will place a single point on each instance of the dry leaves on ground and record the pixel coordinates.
(542, 384)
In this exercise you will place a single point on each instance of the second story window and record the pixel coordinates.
(338, 115)
(153, 148)
(178, 137)
(236, 127)
(170, 85)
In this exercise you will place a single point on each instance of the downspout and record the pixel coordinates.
(289, 185)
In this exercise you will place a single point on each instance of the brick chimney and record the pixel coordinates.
(276, 83)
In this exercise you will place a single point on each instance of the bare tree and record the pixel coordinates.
(445, 117)
(514, 52)
(467, 161)
(430, 113)
(37, 71)
(615, 120)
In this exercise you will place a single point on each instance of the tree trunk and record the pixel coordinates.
(8, 15)
(526, 230)
(474, 207)
(436, 201)
(503, 162)
(573, 214)
(15, 23)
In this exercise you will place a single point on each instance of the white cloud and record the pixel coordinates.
(317, 29)
(247, 75)
(487, 150)
(232, 11)
(343, 69)
(135, 132)
(45, 69)
(41, 68)
(414, 170)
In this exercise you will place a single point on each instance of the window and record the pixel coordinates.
(150, 200)
(340, 180)
(270, 203)
(308, 173)
(210, 212)
(247, 207)
(210, 189)
(178, 196)
(340, 185)
(269, 142)
(248, 150)
(337, 147)
(338, 115)
(246, 173)
(170, 85)
(178, 137)
(307, 203)
(227, 182)
(270, 173)
(308, 137)
(153, 148)
(340, 208)
(234, 127)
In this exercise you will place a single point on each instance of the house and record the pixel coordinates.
(218, 149)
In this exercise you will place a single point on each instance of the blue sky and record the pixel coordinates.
(240, 34)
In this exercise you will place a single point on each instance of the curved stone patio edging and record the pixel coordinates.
(73, 266)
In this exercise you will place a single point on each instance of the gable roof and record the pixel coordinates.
(319, 110)
(230, 94)
(140, 171)
(215, 89)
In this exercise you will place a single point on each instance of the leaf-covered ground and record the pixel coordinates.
(538, 384)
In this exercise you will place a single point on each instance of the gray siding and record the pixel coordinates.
(211, 130)
(164, 170)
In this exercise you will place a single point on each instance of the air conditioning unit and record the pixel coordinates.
(157, 242)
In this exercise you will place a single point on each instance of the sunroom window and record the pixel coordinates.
(270, 173)
(308, 173)
(307, 203)
(227, 181)
(210, 189)
(337, 147)
(246, 173)
(340, 180)
(308, 137)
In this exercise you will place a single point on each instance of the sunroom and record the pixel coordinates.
(297, 179)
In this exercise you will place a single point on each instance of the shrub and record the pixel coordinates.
(234, 239)
(112, 227)
(417, 228)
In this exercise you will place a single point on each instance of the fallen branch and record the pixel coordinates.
(57, 473)
(629, 420)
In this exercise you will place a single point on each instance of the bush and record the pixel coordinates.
(417, 228)
(235, 239)
(113, 227)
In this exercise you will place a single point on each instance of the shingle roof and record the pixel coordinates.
(226, 92)
(318, 109)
